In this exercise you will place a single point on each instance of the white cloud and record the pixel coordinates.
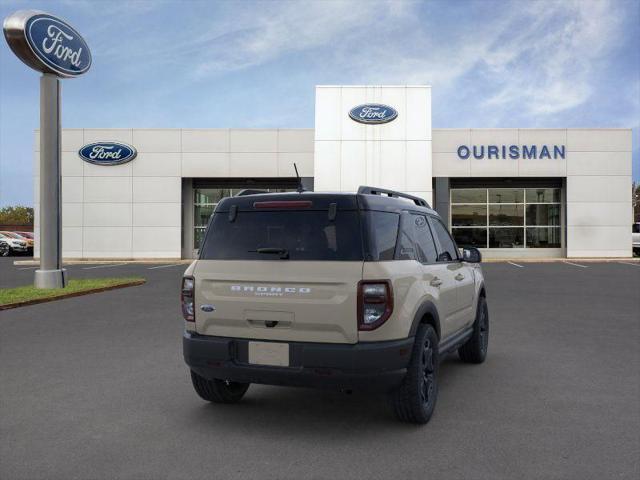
(538, 57)
(549, 66)
(256, 36)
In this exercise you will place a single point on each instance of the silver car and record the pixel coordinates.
(16, 245)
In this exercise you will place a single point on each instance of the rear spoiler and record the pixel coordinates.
(365, 190)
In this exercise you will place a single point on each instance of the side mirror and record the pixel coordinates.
(471, 255)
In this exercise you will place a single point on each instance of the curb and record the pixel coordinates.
(35, 263)
(62, 296)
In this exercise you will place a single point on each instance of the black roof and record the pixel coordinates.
(322, 200)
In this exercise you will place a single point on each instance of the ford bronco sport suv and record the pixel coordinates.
(341, 290)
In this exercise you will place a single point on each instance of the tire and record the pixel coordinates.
(415, 399)
(4, 250)
(475, 349)
(218, 391)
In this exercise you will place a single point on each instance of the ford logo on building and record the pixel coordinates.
(47, 43)
(107, 153)
(373, 113)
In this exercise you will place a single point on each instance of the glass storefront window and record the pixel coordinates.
(543, 214)
(202, 214)
(204, 203)
(506, 195)
(543, 195)
(198, 235)
(470, 237)
(469, 195)
(506, 237)
(506, 215)
(466, 215)
(544, 237)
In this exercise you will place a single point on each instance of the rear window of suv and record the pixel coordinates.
(303, 235)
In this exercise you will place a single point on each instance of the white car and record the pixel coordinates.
(15, 244)
(635, 238)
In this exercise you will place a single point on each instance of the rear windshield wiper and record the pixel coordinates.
(283, 252)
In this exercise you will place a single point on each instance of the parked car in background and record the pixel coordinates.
(16, 243)
(26, 234)
(635, 238)
(23, 236)
(4, 248)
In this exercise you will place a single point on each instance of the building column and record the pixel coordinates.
(187, 218)
(441, 203)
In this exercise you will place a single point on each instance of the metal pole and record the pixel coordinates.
(51, 274)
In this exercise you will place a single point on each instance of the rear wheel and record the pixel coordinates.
(218, 391)
(4, 250)
(475, 349)
(415, 399)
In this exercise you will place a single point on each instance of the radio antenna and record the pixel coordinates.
(300, 189)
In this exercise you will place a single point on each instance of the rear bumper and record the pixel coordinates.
(373, 366)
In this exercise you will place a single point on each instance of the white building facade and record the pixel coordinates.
(514, 193)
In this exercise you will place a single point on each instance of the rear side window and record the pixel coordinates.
(424, 240)
(304, 235)
(447, 251)
(383, 233)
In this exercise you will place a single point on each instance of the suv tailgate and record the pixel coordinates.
(310, 301)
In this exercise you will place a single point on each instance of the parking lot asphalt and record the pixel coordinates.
(95, 387)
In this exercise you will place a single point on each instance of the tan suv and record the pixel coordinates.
(341, 290)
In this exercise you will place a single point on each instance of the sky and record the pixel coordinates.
(242, 64)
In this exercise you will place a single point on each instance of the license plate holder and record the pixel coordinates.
(275, 354)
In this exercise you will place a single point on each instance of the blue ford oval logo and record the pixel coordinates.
(107, 153)
(58, 45)
(373, 113)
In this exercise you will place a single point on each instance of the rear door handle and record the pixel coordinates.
(436, 282)
(459, 277)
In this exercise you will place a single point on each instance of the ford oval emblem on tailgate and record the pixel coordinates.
(207, 308)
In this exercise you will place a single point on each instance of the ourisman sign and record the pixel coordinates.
(513, 152)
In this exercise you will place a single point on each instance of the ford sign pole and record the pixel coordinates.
(51, 274)
(51, 46)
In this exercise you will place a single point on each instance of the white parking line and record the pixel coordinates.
(576, 264)
(166, 266)
(629, 263)
(105, 266)
(516, 265)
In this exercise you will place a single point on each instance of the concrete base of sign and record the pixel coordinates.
(50, 278)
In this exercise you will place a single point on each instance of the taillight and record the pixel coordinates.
(375, 303)
(186, 298)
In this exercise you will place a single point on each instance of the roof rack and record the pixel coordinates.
(364, 190)
(250, 191)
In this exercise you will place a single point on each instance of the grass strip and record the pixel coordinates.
(29, 295)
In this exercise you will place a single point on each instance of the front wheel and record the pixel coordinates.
(4, 250)
(415, 399)
(475, 349)
(218, 391)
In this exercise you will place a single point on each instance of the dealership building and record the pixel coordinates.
(514, 193)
